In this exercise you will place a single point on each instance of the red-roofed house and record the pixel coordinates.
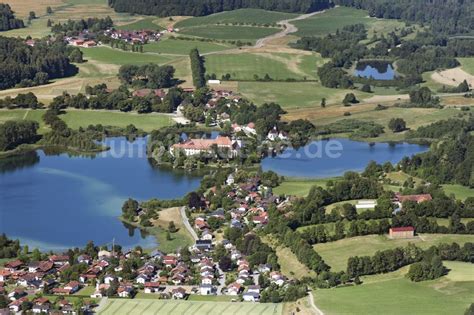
(198, 146)
(416, 198)
(402, 232)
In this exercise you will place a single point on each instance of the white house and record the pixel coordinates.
(251, 297)
(206, 289)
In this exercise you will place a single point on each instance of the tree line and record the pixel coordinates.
(73, 27)
(197, 68)
(165, 8)
(8, 21)
(25, 66)
(17, 132)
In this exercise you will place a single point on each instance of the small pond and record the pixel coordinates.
(377, 70)
(329, 158)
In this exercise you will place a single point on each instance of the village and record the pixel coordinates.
(213, 266)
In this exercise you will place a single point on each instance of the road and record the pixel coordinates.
(188, 226)
(221, 280)
(311, 302)
(288, 29)
(101, 306)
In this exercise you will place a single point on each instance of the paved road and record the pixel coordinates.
(221, 280)
(311, 302)
(186, 223)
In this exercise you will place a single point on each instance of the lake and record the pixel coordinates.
(329, 158)
(55, 201)
(378, 70)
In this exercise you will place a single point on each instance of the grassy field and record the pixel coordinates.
(460, 192)
(337, 18)
(299, 186)
(394, 294)
(292, 95)
(277, 66)
(107, 55)
(246, 16)
(144, 24)
(467, 64)
(230, 32)
(337, 253)
(148, 306)
(83, 118)
(183, 47)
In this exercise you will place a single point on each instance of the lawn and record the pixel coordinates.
(245, 66)
(293, 95)
(107, 55)
(401, 296)
(337, 253)
(84, 118)
(148, 306)
(467, 64)
(460, 192)
(86, 291)
(334, 19)
(183, 47)
(246, 16)
(299, 187)
(230, 32)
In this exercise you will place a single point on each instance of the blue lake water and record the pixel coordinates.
(59, 201)
(378, 72)
(328, 158)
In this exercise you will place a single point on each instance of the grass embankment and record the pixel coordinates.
(159, 228)
(337, 253)
(393, 294)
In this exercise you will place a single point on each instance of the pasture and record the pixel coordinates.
(230, 32)
(183, 47)
(394, 294)
(149, 306)
(299, 187)
(294, 95)
(244, 67)
(144, 24)
(84, 118)
(337, 253)
(460, 192)
(241, 16)
(334, 19)
(467, 64)
(107, 55)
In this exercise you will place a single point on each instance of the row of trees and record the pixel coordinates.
(28, 100)
(8, 20)
(27, 66)
(393, 259)
(197, 68)
(14, 133)
(72, 27)
(205, 7)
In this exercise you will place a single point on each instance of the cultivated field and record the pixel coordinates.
(148, 306)
(393, 294)
(243, 16)
(144, 24)
(183, 47)
(230, 32)
(337, 253)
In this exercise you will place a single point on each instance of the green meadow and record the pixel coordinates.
(230, 32)
(144, 24)
(107, 55)
(183, 47)
(393, 294)
(84, 118)
(467, 64)
(242, 16)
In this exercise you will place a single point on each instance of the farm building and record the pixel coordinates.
(366, 204)
(402, 232)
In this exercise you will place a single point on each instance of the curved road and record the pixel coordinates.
(311, 302)
(188, 226)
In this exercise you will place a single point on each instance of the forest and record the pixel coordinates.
(26, 66)
(446, 16)
(7, 19)
(165, 8)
